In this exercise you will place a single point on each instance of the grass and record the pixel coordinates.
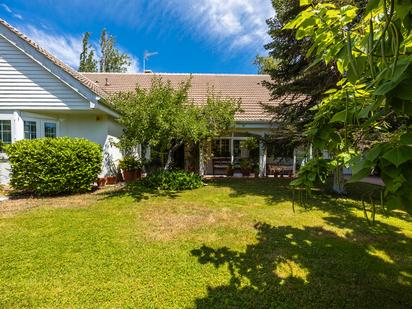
(230, 244)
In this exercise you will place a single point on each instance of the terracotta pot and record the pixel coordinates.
(130, 176)
(246, 173)
(101, 182)
(111, 180)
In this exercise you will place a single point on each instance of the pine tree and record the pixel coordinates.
(87, 61)
(293, 77)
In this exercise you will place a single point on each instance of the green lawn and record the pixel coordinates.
(230, 244)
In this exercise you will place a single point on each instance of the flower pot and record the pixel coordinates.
(129, 176)
(101, 181)
(246, 173)
(111, 180)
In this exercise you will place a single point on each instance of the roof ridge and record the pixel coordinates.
(69, 70)
(171, 73)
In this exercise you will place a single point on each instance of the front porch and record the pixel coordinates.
(233, 156)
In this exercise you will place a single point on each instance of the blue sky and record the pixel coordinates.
(197, 36)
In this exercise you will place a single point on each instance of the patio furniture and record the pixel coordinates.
(279, 170)
(220, 163)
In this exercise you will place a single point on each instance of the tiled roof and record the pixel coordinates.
(81, 78)
(248, 88)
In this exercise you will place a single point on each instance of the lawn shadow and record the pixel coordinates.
(139, 192)
(312, 267)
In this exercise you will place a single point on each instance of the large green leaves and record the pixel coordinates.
(399, 155)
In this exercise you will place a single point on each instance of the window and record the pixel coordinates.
(221, 148)
(50, 129)
(5, 131)
(30, 129)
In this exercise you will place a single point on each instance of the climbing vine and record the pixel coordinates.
(366, 118)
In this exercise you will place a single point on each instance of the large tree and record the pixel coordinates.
(299, 84)
(164, 117)
(111, 58)
(374, 56)
(87, 61)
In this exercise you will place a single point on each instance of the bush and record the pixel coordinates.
(50, 166)
(130, 164)
(174, 180)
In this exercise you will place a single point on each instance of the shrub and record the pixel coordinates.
(130, 163)
(50, 166)
(174, 180)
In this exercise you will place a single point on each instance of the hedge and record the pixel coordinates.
(51, 166)
(174, 180)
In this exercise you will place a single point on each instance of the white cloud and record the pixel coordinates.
(134, 65)
(10, 11)
(66, 48)
(233, 23)
(6, 8)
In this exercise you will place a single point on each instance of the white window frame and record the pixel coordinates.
(40, 132)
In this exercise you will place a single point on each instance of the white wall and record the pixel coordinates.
(25, 84)
(101, 129)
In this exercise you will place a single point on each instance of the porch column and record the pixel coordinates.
(18, 127)
(201, 159)
(262, 159)
(232, 152)
(294, 161)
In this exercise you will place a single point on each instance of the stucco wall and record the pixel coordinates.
(100, 129)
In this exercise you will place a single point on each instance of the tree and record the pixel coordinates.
(111, 59)
(374, 56)
(265, 64)
(165, 117)
(87, 61)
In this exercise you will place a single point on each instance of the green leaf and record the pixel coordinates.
(373, 153)
(399, 155)
(360, 175)
(372, 4)
(406, 139)
(305, 2)
(339, 117)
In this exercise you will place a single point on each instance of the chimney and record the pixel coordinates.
(148, 71)
(107, 82)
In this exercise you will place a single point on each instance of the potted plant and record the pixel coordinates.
(245, 167)
(101, 182)
(230, 169)
(131, 168)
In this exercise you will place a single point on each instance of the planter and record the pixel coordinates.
(246, 173)
(111, 180)
(101, 182)
(130, 176)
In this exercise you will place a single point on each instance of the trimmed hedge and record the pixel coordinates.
(51, 166)
(173, 180)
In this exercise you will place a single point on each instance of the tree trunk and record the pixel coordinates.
(170, 155)
(338, 181)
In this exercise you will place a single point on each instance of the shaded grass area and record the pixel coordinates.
(231, 244)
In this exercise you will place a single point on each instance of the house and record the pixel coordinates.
(252, 121)
(42, 97)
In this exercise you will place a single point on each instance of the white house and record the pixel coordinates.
(42, 97)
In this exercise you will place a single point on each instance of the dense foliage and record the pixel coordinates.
(111, 58)
(165, 118)
(374, 98)
(50, 166)
(173, 180)
(131, 163)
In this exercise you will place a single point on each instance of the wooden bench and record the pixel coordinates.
(279, 170)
